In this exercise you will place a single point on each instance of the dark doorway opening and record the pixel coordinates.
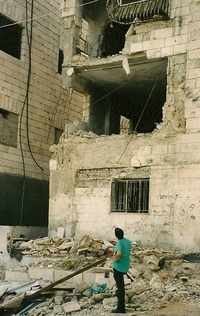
(113, 39)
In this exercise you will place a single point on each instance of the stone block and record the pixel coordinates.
(37, 273)
(71, 307)
(74, 282)
(17, 276)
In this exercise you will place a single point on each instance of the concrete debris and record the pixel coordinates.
(160, 278)
(71, 307)
(68, 254)
(12, 303)
(78, 128)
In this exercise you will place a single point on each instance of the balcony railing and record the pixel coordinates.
(127, 11)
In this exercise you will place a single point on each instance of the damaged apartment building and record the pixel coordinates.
(133, 157)
(33, 111)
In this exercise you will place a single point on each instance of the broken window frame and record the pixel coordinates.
(134, 195)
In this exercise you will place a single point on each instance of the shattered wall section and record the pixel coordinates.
(174, 108)
(82, 168)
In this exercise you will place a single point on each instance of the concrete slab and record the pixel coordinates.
(36, 273)
(13, 275)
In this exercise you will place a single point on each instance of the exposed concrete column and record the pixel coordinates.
(72, 26)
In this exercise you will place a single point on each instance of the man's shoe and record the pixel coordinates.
(118, 311)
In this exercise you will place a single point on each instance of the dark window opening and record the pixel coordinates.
(57, 133)
(8, 128)
(113, 39)
(10, 37)
(130, 195)
(60, 61)
(124, 2)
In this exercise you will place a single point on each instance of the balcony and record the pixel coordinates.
(129, 11)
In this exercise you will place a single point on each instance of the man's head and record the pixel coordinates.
(119, 233)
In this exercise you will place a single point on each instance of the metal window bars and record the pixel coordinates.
(130, 195)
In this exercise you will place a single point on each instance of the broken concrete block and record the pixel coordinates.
(17, 276)
(57, 309)
(109, 303)
(74, 282)
(13, 303)
(58, 300)
(96, 298)
(152, 262)
(37, 273)
(71, 307)
(60, 232)
(156, 283)
(66, 245)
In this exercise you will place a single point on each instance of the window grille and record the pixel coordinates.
(130, 195)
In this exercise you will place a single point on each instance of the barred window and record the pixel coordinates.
(130, 195)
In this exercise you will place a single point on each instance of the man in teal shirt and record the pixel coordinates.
(121, 263)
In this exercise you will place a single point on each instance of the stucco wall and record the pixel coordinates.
(170, 155)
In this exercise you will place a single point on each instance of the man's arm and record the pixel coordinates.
(117, 255)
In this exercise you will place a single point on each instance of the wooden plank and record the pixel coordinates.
(68, 277)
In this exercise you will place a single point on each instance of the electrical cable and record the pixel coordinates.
(21, 116)
(139, 119)
(29, 41)
(37, 18)
(26, 105)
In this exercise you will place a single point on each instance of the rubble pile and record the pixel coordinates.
(67, 254)
(156, 278)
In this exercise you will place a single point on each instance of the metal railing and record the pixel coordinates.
(127, 12)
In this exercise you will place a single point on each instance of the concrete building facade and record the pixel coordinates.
(27, 131)
(139, 166)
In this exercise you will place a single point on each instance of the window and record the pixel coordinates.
(130, 195)
(10, 37)
(60, 61)
(124, 2)
(8, 128)
(58, 132)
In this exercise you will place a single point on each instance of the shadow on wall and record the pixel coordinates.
(35, 212)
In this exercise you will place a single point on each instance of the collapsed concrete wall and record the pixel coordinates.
(82, 169)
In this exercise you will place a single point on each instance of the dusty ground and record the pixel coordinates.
(171, 310)
(164, 283)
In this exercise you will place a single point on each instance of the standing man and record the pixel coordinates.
(121, 263)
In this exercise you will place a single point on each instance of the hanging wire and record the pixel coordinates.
(139, 119)
(40, 17)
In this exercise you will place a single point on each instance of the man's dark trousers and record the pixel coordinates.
(119, 279)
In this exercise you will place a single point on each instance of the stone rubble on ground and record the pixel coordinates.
(160, 278)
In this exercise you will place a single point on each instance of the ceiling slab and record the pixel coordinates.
(112, 74)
